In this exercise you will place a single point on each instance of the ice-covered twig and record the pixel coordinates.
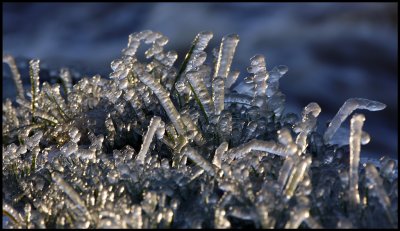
(276, 99)
(218, 87)
(196, 80)
(231, 79)
(297, 216)
(220, 220)
(156, 126)
(348, 107)
(297, 176)
(66, 79)
(377, 187)
(34, 75)
(163, 97)
(16, 76)
(356, 124)
(199, 44)
(219, 152)
(259, 80)
(285, 171)
(198, 159)
(307, 124)
(238, 98)
(71, 193)
(15, 216)
(225, 55)
(222, 68)
(262, 145)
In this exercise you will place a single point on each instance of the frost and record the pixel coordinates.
(158, 146)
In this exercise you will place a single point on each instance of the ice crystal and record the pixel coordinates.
(154, 146)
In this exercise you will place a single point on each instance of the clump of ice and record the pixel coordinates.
(155, 146)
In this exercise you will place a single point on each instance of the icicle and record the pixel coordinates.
(376, 185)
(225, 125)
(250, 131)
(196, 80)
(219, 152)
(285, 171)
(387, 168)
(261, 145)
(74, 134)
(297, 216)
(199, 44)
(238, 98)
(53, 94)
(110, 129)
(9, 115)
(275, 98)
(348, 107)
(196, 172)
(193, 132)
(46, 117)
(156, 125)
(201, 41)
(231, 79)
(15, 216)
(297, 176)
(34, 140)
(196, 60)
(69, 148)
(218, 87)
(220, 220)
(198, 159)
(137, 105)
(66, 79)
(259, 70)
(225, 56)
(355, 142)
(163, 97)
(242, 213)
(136, 211)
(34, 75)
(307, 124)
(262, 211)
(16, 76)
(71, 193)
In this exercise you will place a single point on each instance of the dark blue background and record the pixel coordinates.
(333, 51)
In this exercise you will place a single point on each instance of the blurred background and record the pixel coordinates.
(334, 51)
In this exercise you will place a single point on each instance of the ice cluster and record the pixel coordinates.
(155, 146)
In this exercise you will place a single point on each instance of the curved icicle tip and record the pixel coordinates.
(348, 107)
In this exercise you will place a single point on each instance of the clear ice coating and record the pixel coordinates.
(16, 76)
(348, 107)
(34, 74)
(156, 126)
(356, 125)
(225, 55)
(159, 146)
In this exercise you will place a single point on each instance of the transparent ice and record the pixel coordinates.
(160, 145)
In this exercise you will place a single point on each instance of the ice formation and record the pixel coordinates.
(153, 146)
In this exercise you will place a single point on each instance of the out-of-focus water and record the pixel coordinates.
(334, 51)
